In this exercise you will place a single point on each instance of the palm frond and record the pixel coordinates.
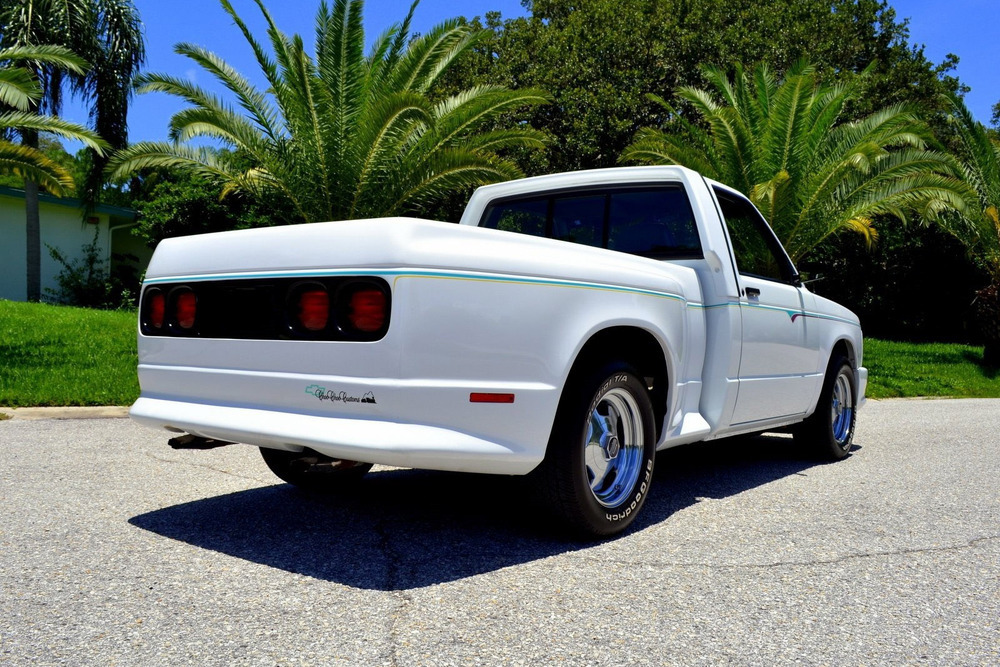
(22, 120)
(429, 55)
(782, 144)
(251, 100)
(31, 163)
(151, 154)
(18, 88)
(340, 134)
(656, 147)
(45, 54)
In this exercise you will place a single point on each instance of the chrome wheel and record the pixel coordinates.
(613, 450)
(842, 411)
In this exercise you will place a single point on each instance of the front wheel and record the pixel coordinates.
(599, 464)
(830, 429)
(311, 470)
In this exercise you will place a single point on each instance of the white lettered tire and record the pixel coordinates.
(598, 467)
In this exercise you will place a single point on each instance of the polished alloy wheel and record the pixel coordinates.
(842, 410)
(613, 451)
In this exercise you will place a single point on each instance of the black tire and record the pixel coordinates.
(598, 482)
(828, 432)
(313, 471)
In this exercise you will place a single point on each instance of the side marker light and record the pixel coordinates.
(480, 397)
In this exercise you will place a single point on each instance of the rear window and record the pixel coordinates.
(652, 221)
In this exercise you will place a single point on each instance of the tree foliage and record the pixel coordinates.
(979, 153)
(106, 34)
(172, 202)
(782, 144)
(979, 227)
(599, 59)
(20, 92)
(343, 135)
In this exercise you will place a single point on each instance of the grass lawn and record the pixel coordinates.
(928, 369)
(56, 355)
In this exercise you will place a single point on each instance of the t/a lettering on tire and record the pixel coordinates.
(598, 467)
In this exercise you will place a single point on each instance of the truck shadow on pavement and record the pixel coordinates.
(404, 529)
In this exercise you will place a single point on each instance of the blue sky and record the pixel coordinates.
(964, 27)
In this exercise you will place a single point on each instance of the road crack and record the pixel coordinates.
(404, 600)
(818, 561)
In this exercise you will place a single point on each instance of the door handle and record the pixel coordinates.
(753, 293)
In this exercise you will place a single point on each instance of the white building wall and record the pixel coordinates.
(62, 227)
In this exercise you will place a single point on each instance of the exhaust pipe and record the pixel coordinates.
(189, 441)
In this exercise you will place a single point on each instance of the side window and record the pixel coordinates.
(527, 216)
(755, 247)
(649, 220)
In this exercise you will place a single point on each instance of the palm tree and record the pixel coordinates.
(343, 135)
(19, 93)
(781, 144)
(979, 228)
(105, 33)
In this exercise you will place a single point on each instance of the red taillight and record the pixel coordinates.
(186, 308)
(157, 309)
(367, 310)
(314, 309)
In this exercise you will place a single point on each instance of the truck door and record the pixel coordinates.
(777, 373)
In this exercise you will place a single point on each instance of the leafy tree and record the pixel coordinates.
(172, 202)
(979, 228)
(105, 33)
(599, 59)
(779, 142)
(342, 135)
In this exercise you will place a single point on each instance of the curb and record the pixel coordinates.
(102, 412)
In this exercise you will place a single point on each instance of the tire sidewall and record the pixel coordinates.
(598, 518)
(839, 367)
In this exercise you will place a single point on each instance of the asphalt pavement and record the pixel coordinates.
(116, 550)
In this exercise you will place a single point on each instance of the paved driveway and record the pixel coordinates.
(115, 550)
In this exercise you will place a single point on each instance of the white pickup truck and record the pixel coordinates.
(569, 327)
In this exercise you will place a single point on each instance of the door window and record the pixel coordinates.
(758, 253)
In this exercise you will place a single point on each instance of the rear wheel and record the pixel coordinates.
(311, 470)
(830, 429)
(599, 463)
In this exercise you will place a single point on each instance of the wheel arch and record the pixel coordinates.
(635, 346)
(844, 347)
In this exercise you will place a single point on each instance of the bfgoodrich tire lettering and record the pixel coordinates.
(598, 467)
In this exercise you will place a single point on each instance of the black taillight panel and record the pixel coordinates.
(349, 309)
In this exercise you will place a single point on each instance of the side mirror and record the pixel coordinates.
(808, 272)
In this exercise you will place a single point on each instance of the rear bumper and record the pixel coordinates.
(368, 440)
